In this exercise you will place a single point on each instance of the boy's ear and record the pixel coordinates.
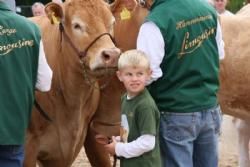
(118, 74)
(150, 71)
(149, 74)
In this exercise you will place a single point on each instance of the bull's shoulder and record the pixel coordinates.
(233, 25)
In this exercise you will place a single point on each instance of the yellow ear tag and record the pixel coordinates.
(54, 19)
(125, 14)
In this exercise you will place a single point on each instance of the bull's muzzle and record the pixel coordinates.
(110, 57)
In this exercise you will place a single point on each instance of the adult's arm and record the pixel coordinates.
(44, 74)
(220, 42)
(151, 42)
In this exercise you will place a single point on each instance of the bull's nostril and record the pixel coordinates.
(106, 57)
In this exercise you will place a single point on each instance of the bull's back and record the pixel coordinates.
(50, 37)
(41, 21)
(244, 11)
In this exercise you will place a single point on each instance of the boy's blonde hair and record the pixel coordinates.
(133, 58)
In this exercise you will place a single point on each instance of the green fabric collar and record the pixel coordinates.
(156, 3)
(3, 6)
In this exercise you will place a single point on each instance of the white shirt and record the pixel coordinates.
(135, 148)
(226, 13)
(150, 41)
(44, 74)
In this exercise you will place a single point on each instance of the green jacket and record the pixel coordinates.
(191, 63)
(19, 53)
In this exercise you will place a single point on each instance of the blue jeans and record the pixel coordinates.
(190, 139)
(11, 155)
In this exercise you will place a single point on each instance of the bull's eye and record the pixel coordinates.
(77, 26)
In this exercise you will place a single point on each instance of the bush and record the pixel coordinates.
(235, 5)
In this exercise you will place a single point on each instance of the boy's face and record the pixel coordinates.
(134, 79)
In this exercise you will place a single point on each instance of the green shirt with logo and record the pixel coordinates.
(142, 117)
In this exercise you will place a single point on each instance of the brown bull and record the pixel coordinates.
(125, 31)
(235, 91)
(234, 94)
(83, 58)
(237, 67)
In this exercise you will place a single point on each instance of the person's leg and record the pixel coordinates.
(177, 133)
(206, 144)
(11, 156)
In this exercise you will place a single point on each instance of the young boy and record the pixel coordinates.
(138, 145)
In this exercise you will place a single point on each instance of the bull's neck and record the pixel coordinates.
(73, 86)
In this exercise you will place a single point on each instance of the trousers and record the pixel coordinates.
(190, 139)
(11, 155)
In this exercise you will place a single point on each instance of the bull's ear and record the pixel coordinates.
(54, 12)
(118, 5)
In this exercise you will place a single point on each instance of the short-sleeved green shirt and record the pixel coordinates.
(143, 118)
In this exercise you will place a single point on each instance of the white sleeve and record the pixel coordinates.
(44, 74)
(220, 42)
(150, 41)
(135, 148)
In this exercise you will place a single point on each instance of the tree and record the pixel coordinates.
(24, 6)
(235, 5)
(30, 2)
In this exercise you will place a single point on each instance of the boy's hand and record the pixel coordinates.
(110, 148)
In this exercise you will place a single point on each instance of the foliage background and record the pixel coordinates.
(235, 5)
(30, 2)
(24, 6)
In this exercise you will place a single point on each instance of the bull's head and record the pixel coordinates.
(87, 26)
(128, 13)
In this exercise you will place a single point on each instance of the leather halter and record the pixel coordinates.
(83, 53)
